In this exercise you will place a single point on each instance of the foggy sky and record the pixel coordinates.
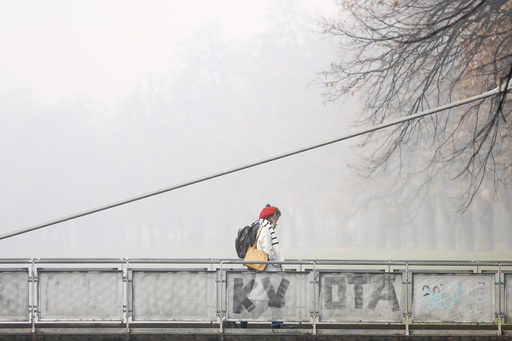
(105, 101)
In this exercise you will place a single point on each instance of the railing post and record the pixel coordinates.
(499, 283)
(126, 296)
(407, 313)
(32, 299)
(220, 290)
(316, 296)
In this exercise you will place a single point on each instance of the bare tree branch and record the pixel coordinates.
(410, 56)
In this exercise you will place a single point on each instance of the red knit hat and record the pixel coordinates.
(267, 212)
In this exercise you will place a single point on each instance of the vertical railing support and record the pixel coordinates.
(126, 296)
(316, 297)
(220, 290)
(407, 312)
(499, 283)
(32, 299)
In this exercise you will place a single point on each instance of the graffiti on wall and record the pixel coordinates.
(241, 294)
(436, 298)
(360, 297)
(249, 296)
(453, 297)
(268, 296)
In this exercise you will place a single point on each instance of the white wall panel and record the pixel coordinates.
(453, 298)
(353, 297)
(268, 296)
(80, 295)
(14, 295)
(174, 296)
(508, 298)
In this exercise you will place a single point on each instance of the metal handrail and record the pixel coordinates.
(429, 263)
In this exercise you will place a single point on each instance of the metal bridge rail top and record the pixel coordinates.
(224, 261)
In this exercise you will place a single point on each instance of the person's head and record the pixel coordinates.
(271, 213)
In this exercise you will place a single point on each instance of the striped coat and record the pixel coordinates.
(268, 243)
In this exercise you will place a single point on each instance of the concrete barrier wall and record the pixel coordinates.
(129, 295)
(268, 296)
(454, 298)
(80, 295)
(508, 298)
(360, 297)
(14, 295)
(162, 295)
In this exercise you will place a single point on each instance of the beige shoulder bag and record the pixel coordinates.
(253, 254)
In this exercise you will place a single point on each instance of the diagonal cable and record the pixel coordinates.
(490, 93)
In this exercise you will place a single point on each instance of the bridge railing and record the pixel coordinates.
(130, 293)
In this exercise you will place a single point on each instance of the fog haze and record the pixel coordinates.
(103, 101)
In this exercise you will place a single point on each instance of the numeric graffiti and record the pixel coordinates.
(437, 298)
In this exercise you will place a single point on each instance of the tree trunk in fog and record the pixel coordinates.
(466, 236)
(507, 235)
(485, 230)
(427, 227)
(442, 219)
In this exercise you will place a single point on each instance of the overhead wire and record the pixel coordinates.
(493, 92)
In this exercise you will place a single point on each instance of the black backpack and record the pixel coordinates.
(245, 238)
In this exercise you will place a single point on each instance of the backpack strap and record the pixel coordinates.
(257, 236)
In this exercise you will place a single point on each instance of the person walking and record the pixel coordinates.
(268, 243)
